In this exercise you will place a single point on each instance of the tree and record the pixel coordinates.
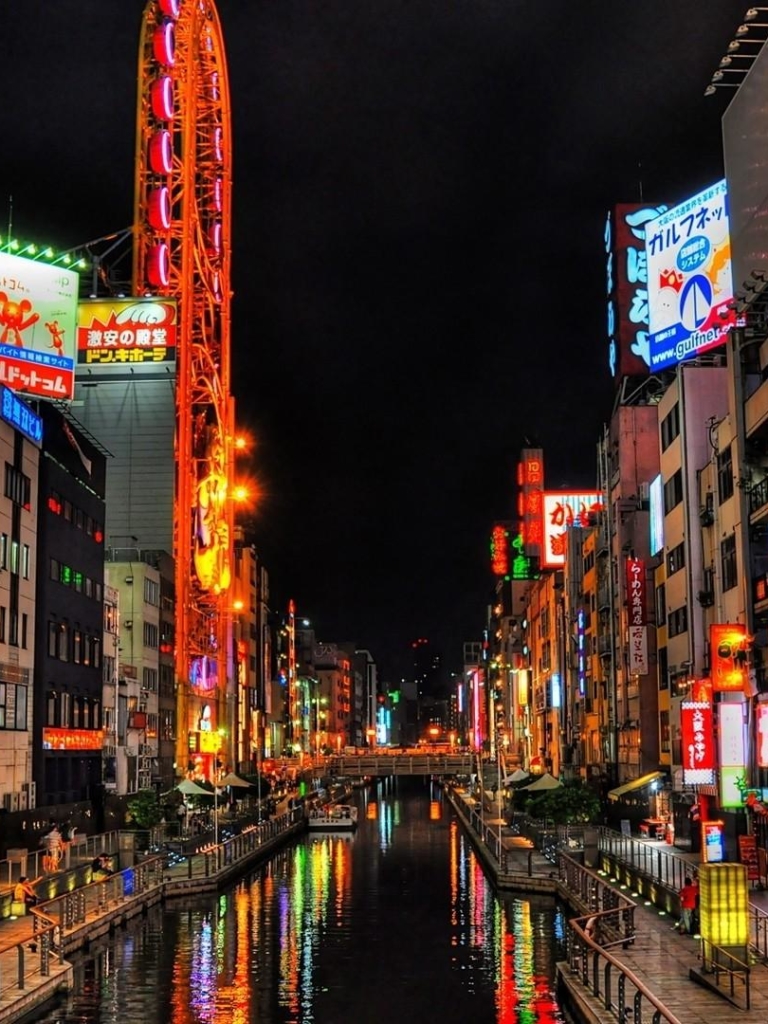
(574, 803)
(144, 809)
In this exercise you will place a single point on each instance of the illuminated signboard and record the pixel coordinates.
(627, 287)
(126, 332)
(500, 550)
(20, 416)
(724, 901)
(656, 507)
(688, 253)
(38, 309)
(728, 657)
(523, 566)
(712, 846)
(523, 688)
(530, 489)
(555, 691)
(732, 753)
(73, 739)
(636, 613)
(560, 511)
(761, 727)
(698, 736)
(581, 651)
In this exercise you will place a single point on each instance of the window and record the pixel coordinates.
(13, 707)
(151, 634)
(94, 644)
(66, 711)
(53, 639)
(664, 729)
(675, 559)
(151, 592)
(24, 630)
(2, 625)
(17, 486)
(663, 669)
(673, 492)
(51, 708)
(25, 561)
(149, 679)
(3, 551)
(678, 621)
(13, 628)
(68, 511)
(15, 556)
(661, 605)
(77, 646)
(724, 474)
(729, 574)
(670, 427)
(55, 569)
(63, 642)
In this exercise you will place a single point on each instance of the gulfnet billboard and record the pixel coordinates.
(688, 255)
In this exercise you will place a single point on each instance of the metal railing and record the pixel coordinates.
(80, 850)
(28, 961)
(728, 969)
(600, 900)
(758, 932)
(618, 989)
(657, 863)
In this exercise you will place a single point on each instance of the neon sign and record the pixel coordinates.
(73, 739)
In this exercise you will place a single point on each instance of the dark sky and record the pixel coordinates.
(420, 188)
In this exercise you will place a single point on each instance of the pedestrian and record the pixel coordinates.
(689, 895)
(53, 844)
(24, 893)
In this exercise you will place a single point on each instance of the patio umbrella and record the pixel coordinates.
(230, 779)
(190, 788)
(546, 781)
(517, 776)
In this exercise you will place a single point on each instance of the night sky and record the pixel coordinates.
(420, 189)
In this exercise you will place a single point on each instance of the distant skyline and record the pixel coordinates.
(419, 200)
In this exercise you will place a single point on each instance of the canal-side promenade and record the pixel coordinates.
(34, 945)
(658, 962)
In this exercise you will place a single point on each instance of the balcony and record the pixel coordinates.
(758, 500)
(756, 409)
(604, 646)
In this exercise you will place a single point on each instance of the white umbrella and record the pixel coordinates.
(546, 781)
(517, 776)
(190, 788)
(230, 779)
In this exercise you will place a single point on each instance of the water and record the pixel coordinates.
(394, 924)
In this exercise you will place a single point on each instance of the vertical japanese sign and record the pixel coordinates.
(688, 254)
(732, 753)
(560, 511)
(500, 550)
(38, 311)
(530, 491)
(636, 612)
(627, 287)
(698, 736)
(581, 650)
(728, 657)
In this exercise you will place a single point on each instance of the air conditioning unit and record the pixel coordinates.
(11, 801)
(30, 788)
(23, 801)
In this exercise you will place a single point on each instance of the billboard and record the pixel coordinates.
(698, 735)
(728, 657)
(732, 753)
(126, 332)
(656, 503)
(560, 511)
(530, 487)
(38, 308)
(627, 287)
(688, 254)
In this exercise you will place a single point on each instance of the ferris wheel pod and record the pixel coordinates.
(161, 152)
(159, 208)
(159, 266)
(170, 8)
(161, 97)
(217, 192)
(214, 238)
(164, 44)
(217, 136)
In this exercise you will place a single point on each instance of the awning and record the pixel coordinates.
(628, 787)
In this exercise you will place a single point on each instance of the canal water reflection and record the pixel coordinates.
(396, 923)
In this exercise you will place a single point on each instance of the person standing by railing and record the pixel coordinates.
(53, 844)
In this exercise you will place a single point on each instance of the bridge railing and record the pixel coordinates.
(359, 765)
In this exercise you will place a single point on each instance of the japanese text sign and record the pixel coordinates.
(732, 752)
(73, 739)
(638, 650)
(562, 510)
(688, 256)
(698, 739)
(500, 550)
(627, 287)
(126, 332)
(530, 488)
(636, 592)
(20, 416)
(38, 309)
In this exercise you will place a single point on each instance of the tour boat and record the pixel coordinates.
(336, 818)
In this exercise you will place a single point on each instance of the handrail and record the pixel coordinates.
(758, 932)
(716, 960)
(658, 863)
(596, 967)
(16, 957)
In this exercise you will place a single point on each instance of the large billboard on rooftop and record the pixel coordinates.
(688, 255)
(38, 311)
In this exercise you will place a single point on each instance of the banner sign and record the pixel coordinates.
(636, 591)
(698, 735)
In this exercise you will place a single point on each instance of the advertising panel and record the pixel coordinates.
(73, 739)
(20, 416)
(638, 650)
(627, 287)
(38, 309)
(126, 332)
(698, 736)
(656, 505)
(636, 591)
(530, 489)
(728, 657)
(560, 511)
(732, 753)
(500, 550)
(689, 278)
(761, 727)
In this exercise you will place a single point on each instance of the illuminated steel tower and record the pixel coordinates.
(182, 250)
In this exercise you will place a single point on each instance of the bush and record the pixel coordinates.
(574, 803)
(144, 809)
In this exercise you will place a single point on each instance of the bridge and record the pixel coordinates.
(360, 765)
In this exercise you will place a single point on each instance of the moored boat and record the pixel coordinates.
(336, 818)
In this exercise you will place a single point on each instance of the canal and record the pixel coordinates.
(395, 923)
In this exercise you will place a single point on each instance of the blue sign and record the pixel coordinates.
(20, 417)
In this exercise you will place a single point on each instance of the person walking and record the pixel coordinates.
(689, 895)
(53, 844)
